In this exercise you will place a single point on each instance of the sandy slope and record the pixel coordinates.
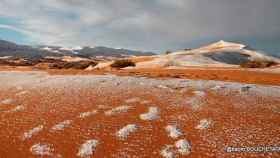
(210, 116)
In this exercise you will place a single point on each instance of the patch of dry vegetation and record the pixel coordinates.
(17, 63)
(72, 65)
(258, 64)
(122, 63)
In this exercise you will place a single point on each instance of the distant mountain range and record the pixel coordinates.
(36, 52)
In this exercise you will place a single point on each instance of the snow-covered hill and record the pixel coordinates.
(220, 54)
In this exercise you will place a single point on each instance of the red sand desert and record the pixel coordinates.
(78, 114)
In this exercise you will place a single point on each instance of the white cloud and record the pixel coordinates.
(13, 28)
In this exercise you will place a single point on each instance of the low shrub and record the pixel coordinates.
(17, 63)
(122, 63)
(258, 64)
(72, 65)
(168, 52)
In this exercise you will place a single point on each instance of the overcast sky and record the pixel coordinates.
(141, 24)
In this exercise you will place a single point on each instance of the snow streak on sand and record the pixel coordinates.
(60, 126)
(87, 114)
(16, 109)
(42, 149)
(88, 148)
(199, 93)
(173, 131)
(7, 101)
(197, 100)
(102, 107)
(132, 100)
(152, 114)
(34, 131)
(203, 124)
(117, 110)
(125, 131)
(21, 93)
(145, 102)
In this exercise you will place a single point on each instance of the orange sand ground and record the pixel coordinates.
(238, 119)
(221, 74)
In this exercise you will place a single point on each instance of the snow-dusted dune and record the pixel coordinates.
(219, 54)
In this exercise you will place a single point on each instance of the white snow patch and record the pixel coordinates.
(6, 57)
(21, 93)
(152, 114)
(117, 110)
(173, 131)
(132, 100)
(34, 131)
(203, 124)
(183, 147)
(42, 149)
(145, 102)
(66, 49)
(162, 86)
(16, 109)
(74, 52)
(19, 88)
(103, 106)
(87, 114)
(125, 131)
(47, 48)
(197, 101)
(88, 148)
(167, 152)
(60, 126)
(7, 101)
(77, 48)
(199, 93)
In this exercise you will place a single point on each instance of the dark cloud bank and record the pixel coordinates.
(145, 24)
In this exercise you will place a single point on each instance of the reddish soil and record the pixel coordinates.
(237, 120)
(221, 74)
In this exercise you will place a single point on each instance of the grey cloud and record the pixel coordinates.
(143, 24)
